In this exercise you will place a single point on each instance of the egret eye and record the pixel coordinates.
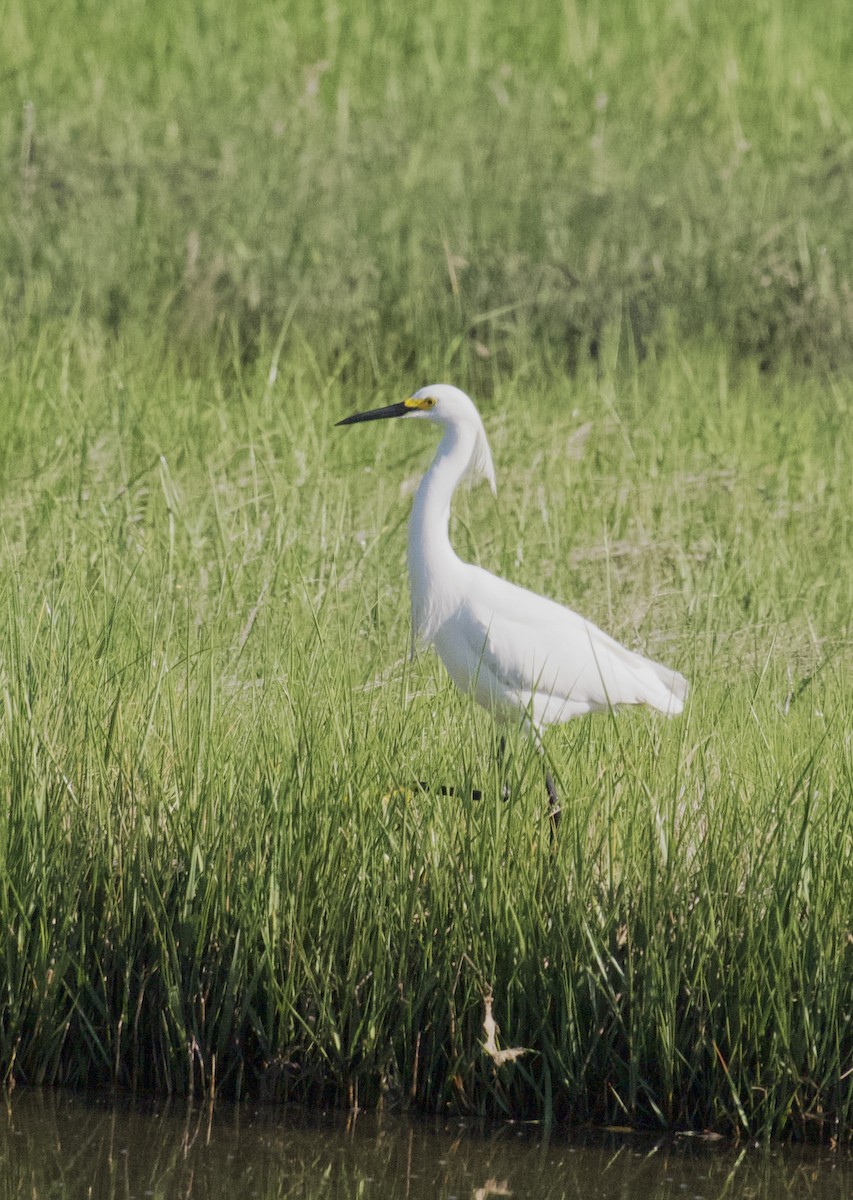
(429, 402)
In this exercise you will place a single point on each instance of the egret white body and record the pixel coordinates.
(524, 657)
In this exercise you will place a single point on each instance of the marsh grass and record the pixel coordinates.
(414, 193)
(626, 235)
(218, 870)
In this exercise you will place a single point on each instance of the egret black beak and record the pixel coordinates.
(378, 414)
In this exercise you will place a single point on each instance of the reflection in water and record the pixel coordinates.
(56, 1145)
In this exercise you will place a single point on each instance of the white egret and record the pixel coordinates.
(524, 657)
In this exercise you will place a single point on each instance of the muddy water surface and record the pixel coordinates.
(57, 1146)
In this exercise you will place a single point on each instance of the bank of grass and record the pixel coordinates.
(214, 865)
(627, 236)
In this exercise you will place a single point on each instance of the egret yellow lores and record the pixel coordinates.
(524, 657)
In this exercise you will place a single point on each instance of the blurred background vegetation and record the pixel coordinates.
(460, 187)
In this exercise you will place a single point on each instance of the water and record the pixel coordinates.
(58, 1146)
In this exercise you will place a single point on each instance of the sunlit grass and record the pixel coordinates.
(412, 192)
(217, 868)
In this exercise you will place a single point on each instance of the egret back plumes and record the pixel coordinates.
(524, 657)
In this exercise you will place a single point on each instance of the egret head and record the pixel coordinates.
(450, 407)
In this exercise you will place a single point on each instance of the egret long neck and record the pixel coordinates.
(432, 560)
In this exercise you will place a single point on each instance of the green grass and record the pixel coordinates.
(627, 236)
(399, 188)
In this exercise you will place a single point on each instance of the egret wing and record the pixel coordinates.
(517, 649)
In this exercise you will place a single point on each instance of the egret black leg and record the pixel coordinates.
(553, 803)
(476, 793)
(501, 754)
(444, 790)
